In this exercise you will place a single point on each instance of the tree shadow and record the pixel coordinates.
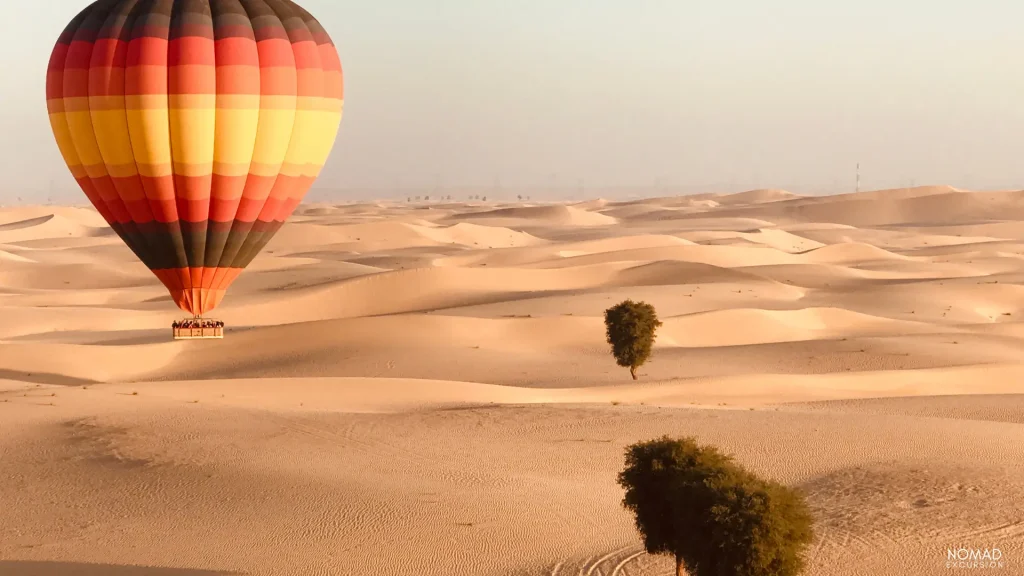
(31, 568)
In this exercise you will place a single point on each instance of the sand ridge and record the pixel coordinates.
(424, 388)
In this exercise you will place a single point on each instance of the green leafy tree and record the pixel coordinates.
(712, 515)
(630, 329)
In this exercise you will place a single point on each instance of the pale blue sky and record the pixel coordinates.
(714, 93)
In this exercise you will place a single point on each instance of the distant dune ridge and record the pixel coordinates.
(425, 388)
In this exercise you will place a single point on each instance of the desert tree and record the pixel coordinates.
(630, 329)
(713, 516)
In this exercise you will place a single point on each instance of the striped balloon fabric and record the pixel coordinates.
(195, 127)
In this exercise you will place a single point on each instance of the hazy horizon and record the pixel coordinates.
(717, 97)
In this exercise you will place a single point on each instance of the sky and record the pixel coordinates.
(681, 95)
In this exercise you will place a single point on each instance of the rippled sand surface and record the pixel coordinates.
(413, 389)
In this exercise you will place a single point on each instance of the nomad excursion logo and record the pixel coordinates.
(974, 558)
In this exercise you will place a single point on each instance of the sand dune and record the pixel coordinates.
(773, 238)
(426, 389)
(381, 236)
(13, 257)
(591, 205)
(710, 329)
(715, 255)
(554, 251)
(851, 252)
(927, 207)
(29, 223)
(688, 273)
(47, 226)
(755, 197)
(468, 234)
(542, 215)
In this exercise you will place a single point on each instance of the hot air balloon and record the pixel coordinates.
(195, 127)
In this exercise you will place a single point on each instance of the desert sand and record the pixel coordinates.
(425, 389)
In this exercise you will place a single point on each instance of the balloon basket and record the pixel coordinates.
(198, 329)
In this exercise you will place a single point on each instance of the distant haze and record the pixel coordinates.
(657, 95)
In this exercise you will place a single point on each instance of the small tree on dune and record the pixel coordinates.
(630, 329)
(713, 516)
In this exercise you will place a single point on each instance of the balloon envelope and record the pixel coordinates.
(195, 127)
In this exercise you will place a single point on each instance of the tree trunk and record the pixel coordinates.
(679, 567)
(632, 372)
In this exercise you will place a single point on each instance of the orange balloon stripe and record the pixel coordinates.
(195, 127)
